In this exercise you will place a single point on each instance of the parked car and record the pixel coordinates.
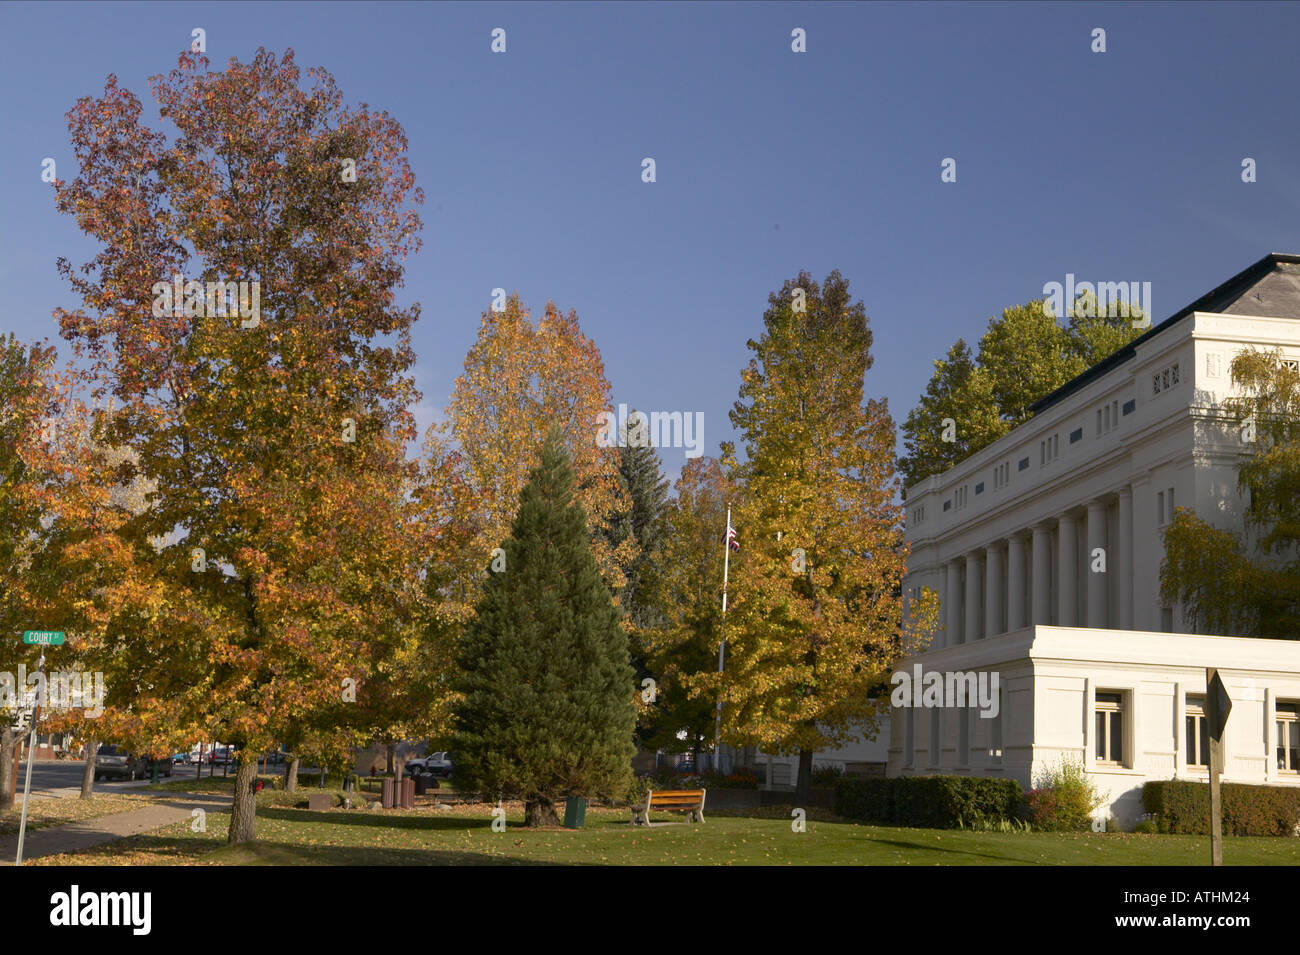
(180, 758)
(114, 762)
(221, 755)
(438, 765)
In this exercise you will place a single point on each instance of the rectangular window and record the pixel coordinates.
(1076, 435)
(1155, 384)
(1173, 373)
(1130, 405)
(1288, 737)
(1197, 731)
(995, 734)
(1099, 421)
(979, 488)
(1164, 380)
(936, 735)
(1169, 501)
(1114, 414)
(963, 735)
(1024, 463)
(947, 505)
(1160, 507)
(1109, 715)
(909, 737)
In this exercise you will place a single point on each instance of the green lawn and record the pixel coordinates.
(462, 836)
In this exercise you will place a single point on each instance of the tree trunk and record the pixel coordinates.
(88, 770)
(391, 750)
(243, 816)
(540, 812)
(291, 775)
(804, 785)
(8, 767)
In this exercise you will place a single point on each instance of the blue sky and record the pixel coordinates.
(1115, 166)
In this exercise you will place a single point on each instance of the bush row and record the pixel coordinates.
(933, 802)
(1183, 806)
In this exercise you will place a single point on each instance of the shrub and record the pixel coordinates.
(827, 776)
(1183, 806)
(1064, 799)
(935, 802)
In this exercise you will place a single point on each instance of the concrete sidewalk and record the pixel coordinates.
(92, 832)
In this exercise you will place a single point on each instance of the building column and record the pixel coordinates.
(992, 590)
(1041, 614)
(1015, 582)
(971, 632)
(1098, 583)
(952, 606)
(1125, 548)
(1067, 572)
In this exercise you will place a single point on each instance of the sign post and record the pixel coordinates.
(41, 638)
(1217, 707)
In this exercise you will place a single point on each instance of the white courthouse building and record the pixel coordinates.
(1092, 665)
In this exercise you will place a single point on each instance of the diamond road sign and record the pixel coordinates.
(47, 638)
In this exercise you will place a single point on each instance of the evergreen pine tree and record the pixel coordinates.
(546, 687)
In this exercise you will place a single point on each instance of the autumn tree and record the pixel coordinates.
(544, 681)
(817, 615)
(687, 594)
(1024, 355)
(520, 380)
(26, 401)
(242, 313)
(1247, 583)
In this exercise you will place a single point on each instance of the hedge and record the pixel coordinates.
(930, 802)
(1183, 806)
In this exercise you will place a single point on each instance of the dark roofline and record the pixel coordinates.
(1211, 301)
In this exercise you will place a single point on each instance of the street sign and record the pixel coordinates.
(1220, 706)
(45, 638)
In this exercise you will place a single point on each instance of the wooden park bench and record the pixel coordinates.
(689, 801)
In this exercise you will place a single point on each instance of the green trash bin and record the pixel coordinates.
(575, 812)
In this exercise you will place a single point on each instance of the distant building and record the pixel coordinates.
(1092, 664)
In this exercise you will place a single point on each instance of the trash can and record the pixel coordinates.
(421, 784)
(386, 793)
(407, 798)
(575, 812)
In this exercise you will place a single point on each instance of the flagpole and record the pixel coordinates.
(722, 646)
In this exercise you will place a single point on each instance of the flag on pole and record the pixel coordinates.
(732, 540)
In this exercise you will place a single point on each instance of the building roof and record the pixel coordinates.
(1270, 287)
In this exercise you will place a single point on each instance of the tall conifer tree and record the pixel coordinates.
(546, 687)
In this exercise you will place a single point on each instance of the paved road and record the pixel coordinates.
(62, 777)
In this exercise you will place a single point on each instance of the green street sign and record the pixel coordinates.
(47, 638)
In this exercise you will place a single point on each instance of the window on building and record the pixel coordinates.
(1099, 420)
(936, 735)
(1169, 500)
(963, 735)
(1024, 463)
(1076, 435)
(909, 737)
(1109, 714)
(1288, 737)
(947, 505)
(1197, 731)
(1292, 363)
(1155, 384)
(1130, 405)
(979, 488)
(995, 734)
(1173, 374)
(1114, 413)
(1160, 507)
